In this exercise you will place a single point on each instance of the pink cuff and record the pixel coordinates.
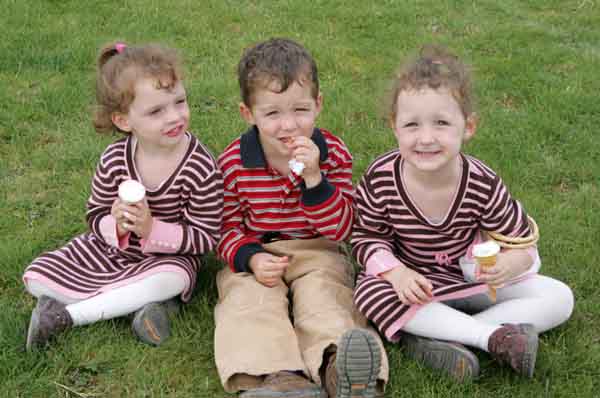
(108, 230)
(164, 238)
(380, 262)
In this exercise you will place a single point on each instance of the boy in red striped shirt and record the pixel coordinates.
(288, 205)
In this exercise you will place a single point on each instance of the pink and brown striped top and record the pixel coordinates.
(388, 219)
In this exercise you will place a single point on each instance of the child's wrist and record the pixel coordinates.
(312, 180)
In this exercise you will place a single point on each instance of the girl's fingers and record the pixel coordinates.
(420, 294)
(425, 286)
(127, 226)
(412, 297)
(129, 217)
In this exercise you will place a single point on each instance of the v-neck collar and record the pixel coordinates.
(414, 209)
(163, 186)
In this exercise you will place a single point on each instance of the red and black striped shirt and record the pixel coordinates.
(261, 204)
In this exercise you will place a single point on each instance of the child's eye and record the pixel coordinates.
(410, 124)
(271, 113)
(301, 109)
(442, 123)
(181, 101)
(154, 112)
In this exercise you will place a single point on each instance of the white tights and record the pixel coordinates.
(540, 300)
(117, 302)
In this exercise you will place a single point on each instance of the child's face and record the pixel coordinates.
(430, 129)
(281, 116)
(157, 117)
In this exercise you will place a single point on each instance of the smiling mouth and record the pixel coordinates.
(174, 132)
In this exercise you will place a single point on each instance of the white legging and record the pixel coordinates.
(540, 300)
(117, 302)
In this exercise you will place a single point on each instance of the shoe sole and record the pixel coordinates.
(32, 330)
(455, 360)
(358, 363)
(529, 357)
(151, 324)
(264, 393)
(34, 325)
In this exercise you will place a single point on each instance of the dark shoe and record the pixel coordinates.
(352, 371)
(48, 319)
(151, 323)
(515, 345)
(451, 358)
(285, 385)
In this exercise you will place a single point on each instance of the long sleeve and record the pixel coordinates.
(372, 236)
(104, 191)
(504, 214)
(235, 246)
(192, 214)
(328, 206)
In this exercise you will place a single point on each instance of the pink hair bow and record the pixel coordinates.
(120, 47)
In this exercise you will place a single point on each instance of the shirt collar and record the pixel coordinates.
(252, 153)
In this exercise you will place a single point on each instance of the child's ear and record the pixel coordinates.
(319, 103)
(246, 113)
(470, 126)
(121, 121)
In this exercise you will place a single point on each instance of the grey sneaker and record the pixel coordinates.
(151, 323)
(357, 364)
(285, 384)
(451, 358)
(48, 319)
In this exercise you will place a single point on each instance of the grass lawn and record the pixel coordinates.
(536, 66)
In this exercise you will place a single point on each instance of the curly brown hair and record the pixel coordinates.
(276, 60)
(434, 67)
(118, 69)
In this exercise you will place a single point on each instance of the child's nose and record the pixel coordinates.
(288, 122)
(427, 135)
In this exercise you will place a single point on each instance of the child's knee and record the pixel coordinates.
(559, 297)
(564, 295)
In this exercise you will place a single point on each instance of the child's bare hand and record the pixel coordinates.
(412, 287)
(135, 218)
(304, 150)
(267, 268)
(509, 265)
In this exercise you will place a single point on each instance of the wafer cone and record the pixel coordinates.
(488, 262)
(485, 254)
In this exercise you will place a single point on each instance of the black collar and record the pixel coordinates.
(252, 153)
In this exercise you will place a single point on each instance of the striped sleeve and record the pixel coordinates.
(202, 214)
(235, 247)
(503, 214)
(328, 206)
(372, 231)
(104, 190)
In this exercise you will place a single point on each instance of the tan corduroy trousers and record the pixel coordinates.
(255, 335)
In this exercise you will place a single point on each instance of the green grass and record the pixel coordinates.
(536, 74)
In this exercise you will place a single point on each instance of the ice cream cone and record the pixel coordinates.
(131, 191)
(485, 254)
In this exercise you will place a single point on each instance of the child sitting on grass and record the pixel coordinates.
(420, 210)
(141, 251)
(288, 205)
